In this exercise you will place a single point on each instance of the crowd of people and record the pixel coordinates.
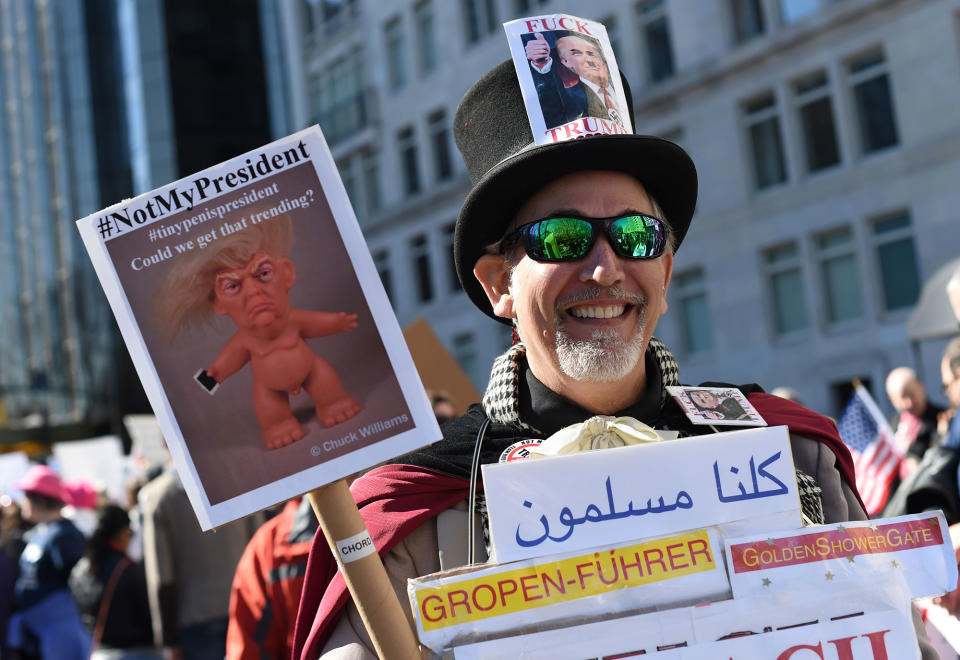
(83, 577)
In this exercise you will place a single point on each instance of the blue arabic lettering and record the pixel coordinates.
(755, 473)
(594, 514)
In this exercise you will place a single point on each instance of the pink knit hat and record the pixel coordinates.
(80, 493)
(42, 480)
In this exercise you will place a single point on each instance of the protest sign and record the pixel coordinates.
(635, 492)
(917, 547)
(266, 344)
(13, 466)
(467, 603)
(99, 460)
(259, 260)
(568, 77)
(146, 439)
(867, 622)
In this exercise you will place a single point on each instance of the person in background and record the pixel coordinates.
(443, 407)
(82, 502)
(189, 572)
(45, 623)
(266, 587)
(111, 591)
(915, 421)
(8, 576)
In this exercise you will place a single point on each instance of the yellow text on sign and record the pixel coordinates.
(560, 581)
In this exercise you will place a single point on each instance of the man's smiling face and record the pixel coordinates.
(587, 320)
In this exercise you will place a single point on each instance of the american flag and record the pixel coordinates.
(870, 440)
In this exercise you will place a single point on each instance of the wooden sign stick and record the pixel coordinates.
(365, 575)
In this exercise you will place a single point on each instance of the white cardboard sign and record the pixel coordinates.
(916, 547)
(13, 466)
(259, 328)
(794, 626)
(100, 460)
(634, 492)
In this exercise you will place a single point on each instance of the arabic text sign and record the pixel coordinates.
(607, 580)
(916, 546)
(636, 492)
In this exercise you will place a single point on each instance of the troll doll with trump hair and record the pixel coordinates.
(247, 276)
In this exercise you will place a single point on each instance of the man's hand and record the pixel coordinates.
(538, 50)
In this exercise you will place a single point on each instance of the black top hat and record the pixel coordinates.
(493, 133)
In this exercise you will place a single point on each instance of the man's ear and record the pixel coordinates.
(218, 306)
(493, 273)
(667, 273)
(288, 272)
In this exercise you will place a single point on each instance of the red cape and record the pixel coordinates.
(396, 499)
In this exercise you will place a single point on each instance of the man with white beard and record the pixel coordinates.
(573, 244)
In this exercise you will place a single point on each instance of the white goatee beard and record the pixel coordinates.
(606, 356)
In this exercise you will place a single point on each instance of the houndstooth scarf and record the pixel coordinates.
(501, 402)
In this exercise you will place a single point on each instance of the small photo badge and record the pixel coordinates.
(569, 78)
(718, 406)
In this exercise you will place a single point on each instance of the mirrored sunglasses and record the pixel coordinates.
(568, 238)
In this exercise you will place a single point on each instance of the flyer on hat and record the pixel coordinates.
(569, 77)
(259, 327)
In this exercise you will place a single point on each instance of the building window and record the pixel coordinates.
(407, 147)
(440, 144)
(870, 82)
(371, 180)
(522, 7)
(334, 13)
(838, 275)
(897, 261)
(785, 280)
(396, 62)
(479, 19)
(763, 129)
(812, 97)
(465, 353)
(448, 234)
(341, 104)
(381, 259)
(794, 10)
(842, 390)
(656, 36)
(426, 36)
(349, 178)
(307, 9)
(747, 18)
(675, 135)
(420, 252)
(690, 290)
